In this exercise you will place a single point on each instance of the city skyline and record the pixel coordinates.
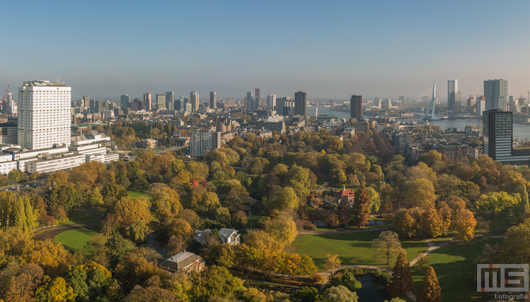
(386, 51)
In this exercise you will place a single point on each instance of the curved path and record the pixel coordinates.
(50, 233)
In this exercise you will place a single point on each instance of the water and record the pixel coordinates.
(520, 131)
(371, 290)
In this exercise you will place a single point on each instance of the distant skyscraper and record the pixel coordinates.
(300, 103)
(44, 114)
(213, 100)
(85, 101)
(271, 101)
(356, 110)
(471, 104)
(250, 102)
(496, 93)
(179, 104)
(147, 101)
(481, 104)
(170, 96)
(403, 99)
(257, 99)
(194, 99)
(160, 101)
(230, 102)
(125, 99)
(452, 90)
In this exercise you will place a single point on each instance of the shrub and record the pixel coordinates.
(317, 278)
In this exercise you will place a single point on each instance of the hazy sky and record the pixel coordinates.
(330, 49)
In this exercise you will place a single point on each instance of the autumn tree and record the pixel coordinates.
(405, 224)
(375, 201)
(430, 290)
(332, 262)
(465, 222)
(431, 223)
(339, 294)
(516, 244)
(95, 198)
(420, 193)
(55, 290)
(401, 281)
(215, 281)
(165, 201)
(361, 208)
(387, 246)
(286, 199)
(282, 228)
(131, 214)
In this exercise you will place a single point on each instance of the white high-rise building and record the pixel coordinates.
(202, 141)
(194, 99)
(44, 114)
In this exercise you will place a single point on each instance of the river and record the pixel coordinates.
(520, 131)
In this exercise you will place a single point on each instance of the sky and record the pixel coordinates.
(329, 49)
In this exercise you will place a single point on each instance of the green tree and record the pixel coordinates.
(387, 246)
(401, 281)
(516, 244)
(430, 290)
(309, 294)
(339, 294)
(215, 281)
(95, 198)
(375, 201)
(361, 208)
(15, 176)
(117, 247)
(282, 228)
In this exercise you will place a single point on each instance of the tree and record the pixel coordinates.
(375, 201)
(286, 199)
(128, 210)
(405, 224)
(396, 300)
(465, 222)
(174, 246)
(494, 201)
(55, 290)
(431, 223)
(117, 247)
(516, 245)
(339, 178)
(309, 294)
(401, 281)
(420, 193)
(387, 246)
(430, 290)
(215, 281)
(524, 200)
(15, 176)
(332, 262)
(361, 208)
(339, 294)
(282, 228)
(95, 198)
(180, 227)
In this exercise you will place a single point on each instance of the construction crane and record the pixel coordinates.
(4, 98)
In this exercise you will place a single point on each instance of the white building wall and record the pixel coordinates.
(6, 167)
(56, 164)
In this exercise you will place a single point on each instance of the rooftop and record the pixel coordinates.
(43, 83)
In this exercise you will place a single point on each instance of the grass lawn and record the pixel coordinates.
(75, 240)
(454, 265)
(135, 194)
(352, 248)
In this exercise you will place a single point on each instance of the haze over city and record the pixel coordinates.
(329, 50)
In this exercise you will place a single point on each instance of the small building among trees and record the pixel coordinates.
(184, 261)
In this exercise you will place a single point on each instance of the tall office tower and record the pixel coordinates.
(498, 133)
(179, 104)
(230, 102)
(521, 101)
(194, 99)
(356, 110)
(257, 99)
(481, 104)
(471, 104)
(403, 99)
(147, 101)
(44, 114)
(170, 96)
(280, 104)
(271, 101)
(213, 99)
(250, 102)
(85, 101)
(511, 104)
(202, 141)
(300, 103)
(125, 99)
(496, 93)
(160, 101)
(452, 90)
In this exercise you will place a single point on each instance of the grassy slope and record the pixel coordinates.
(135, 194)
(352, 248)
(75, 240)
(454, 266)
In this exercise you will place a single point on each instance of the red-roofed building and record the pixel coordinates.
(346, 195)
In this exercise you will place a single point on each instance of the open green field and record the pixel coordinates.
(75, 240)
(135, 194)
(454, 265)
(352, 248)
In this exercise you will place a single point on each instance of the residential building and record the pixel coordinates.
(170, 96)
(147, 101)
(300, 104)
(481, 104)
(8, 134)
(471, 104)
(194, 99)
(213, 99)
(148, 143)
(229, 236)
(202, 236)
(44, 114)
(356, 107)
(202, 141)
(496, 93)
(184, 261)
(452, 90)
(125, 99)
(271, 101)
